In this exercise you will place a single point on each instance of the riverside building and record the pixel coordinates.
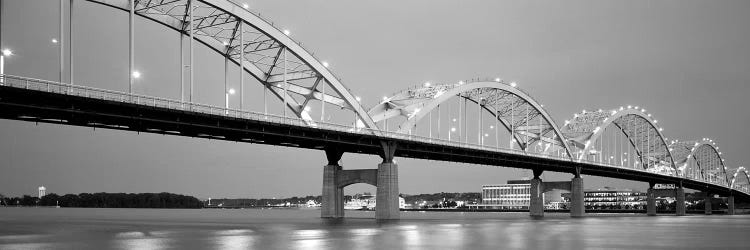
(513, 195)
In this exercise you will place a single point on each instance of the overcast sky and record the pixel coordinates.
(687, 62)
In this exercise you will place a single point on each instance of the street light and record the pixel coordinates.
(287, 32)
(6, 53)
(54, 40)
(136, 74)
(226, 100)
(453, 129)
(245, 5)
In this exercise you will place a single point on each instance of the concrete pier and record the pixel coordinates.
(536, 204)
(577, 208)
(387, 199)
(707, 202)
(730, 205)
(680, 200)
(651, 200)
(332, 205)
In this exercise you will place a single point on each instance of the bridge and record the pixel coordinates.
(478, 121)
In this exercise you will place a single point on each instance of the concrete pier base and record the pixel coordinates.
(387, 207)
(730, 205)
(577, 208)
(707, 202)
(650, 202)
(536, 204)
(680, 200)
(332, 205)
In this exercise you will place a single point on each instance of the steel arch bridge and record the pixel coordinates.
(624, 142)
(517, 112)
(279, 63)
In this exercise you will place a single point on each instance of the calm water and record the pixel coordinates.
(90, 228)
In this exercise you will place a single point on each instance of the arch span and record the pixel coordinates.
(262, 50)
(523, 117)
(637, 126)
(701, 160)
(740, 172)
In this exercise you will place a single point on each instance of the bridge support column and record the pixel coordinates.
(332, 205)
(536, 196)
(730, 205)
(577, 207)
(332, 199)
(387, 200)
(707, 203)
(650, 200)
(679, 194)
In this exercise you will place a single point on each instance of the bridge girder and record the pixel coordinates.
(217, 25)
(702, 154)
(636, 125)
(739, 186)
(523, 117)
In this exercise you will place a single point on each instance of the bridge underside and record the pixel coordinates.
(39, 106)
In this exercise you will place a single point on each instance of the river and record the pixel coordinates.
(110, 228)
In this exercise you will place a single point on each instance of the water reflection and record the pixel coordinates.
(309, 239)
(234, 239)
(301, 229)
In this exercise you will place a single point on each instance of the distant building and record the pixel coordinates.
(42, 192)
(368, 202)
(610, 198)
(514, 195)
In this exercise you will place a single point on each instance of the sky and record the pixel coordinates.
(687, 62)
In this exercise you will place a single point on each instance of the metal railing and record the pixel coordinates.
(117, 96)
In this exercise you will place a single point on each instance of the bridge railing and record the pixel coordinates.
(117, 96)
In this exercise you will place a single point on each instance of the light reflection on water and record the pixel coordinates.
(22, 228)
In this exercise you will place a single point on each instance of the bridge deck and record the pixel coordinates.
(49, 102)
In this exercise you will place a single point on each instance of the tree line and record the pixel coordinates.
(107, 200)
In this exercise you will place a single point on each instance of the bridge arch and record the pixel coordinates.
(636, 125)
(739, 173)
(701, 160)
(264, 51)
(521, 115)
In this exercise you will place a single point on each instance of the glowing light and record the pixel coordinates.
(427, 84)
(485, 135)
(454, 119)
(453, 129)
(287, 32)
(136, 74)
(513, 84)
(416, 110)
(7, 52)
(567, 122)
(460, 82)
(54, 40)
(385, 98)
(621, 108)
(492, 127)
(231, 91)
(325, 64)
(630, 107)
(498, 79)
(245, 5)
(358, 99)
(656, 121)
(226, 43)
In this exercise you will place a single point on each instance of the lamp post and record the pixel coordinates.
(5, 53)
(226, 100)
